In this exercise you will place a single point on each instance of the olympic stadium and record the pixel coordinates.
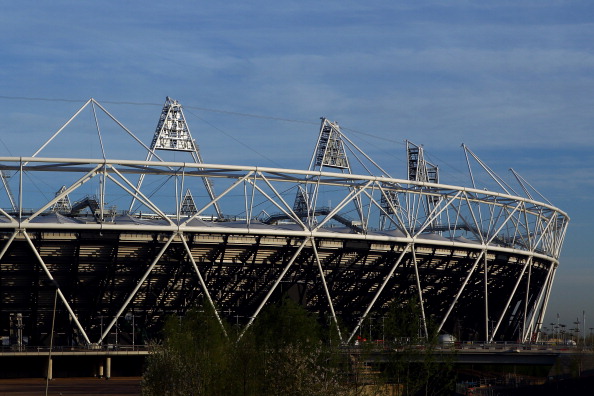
(342, 237)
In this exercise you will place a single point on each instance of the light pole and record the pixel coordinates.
(49, 355)
(101, 317)
(130, 318)
(584, 326)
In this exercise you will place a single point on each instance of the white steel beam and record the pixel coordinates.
(62, 128)
(378, 292)
(8, 243)
(525, 313)
(138, 194)
(57, 286)
(511, 296)
(460, 291)
(224, 193)
(420, 292)
(138, 285)
(202, 283)
(352, 195)
(547, 292)
(273, 288)
(435, 215)
(88, 176)
(486, 294)
(326, 291)
(285, 208)
(12, 220)
(537, 313)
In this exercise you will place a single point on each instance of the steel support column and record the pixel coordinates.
(202, 283)
(59, 291)
(273, 288)
(326, 291)
(379, 291)
(138, 285)
(506, 307)
(446, 316)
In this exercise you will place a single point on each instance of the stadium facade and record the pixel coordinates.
(343, 238)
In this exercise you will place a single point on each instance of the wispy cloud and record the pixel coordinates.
(513, 80)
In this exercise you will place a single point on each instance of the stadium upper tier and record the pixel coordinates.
(398, 207)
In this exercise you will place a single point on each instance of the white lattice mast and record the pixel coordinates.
(420, 170)
(188, 206)
(329, 152)
(390, 205)
(173, 134)
(172, 131)
(63, 205)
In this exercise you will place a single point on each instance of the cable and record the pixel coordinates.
(237, 140)
(228, 112)
(235, 113)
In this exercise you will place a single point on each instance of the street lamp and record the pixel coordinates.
(101, 318)
(49, 355)
(130, 318)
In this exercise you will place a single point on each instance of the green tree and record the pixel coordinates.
(194, 358)
(296, 360)
(414, 360)
(281, 354)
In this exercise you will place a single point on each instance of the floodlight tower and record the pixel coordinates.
(173, 134)
(188, 206)
(329, 152)
(421, 170)
(418, 168)
(63, 204)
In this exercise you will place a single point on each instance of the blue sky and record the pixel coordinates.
(514, 80)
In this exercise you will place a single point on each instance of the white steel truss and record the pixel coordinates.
(462, 251)
(173, 134)
(63, 204)
(188, 206)
(518, 226)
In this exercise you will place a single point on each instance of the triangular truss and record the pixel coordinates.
(173, 134)
(330, 149)
(300, 205)
(172, 131)
(421, 170)
(188, 207)
(331, 152)
(418, 168)
(63, 204)
(389, 202)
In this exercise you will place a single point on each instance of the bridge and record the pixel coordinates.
(115, 360)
